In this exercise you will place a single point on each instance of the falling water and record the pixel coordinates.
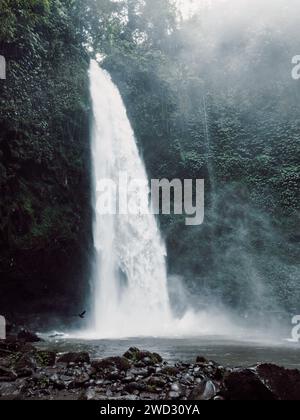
(130, 296)
(130, 278)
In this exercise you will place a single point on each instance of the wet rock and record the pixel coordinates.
(170, 371)
(25, 366)
(5, 353)
(203, 392)
(136, 355)
(176, 388)
(32, 374)
(81, 380)
(136, 386)
(219, 373)
(77, 358)
(10, 345)
(283, 383)
(149, 396)
(7, 375)
(9, 391)
(188, 379)
(6, 362)
(245, 385)
(111, 364)
(28, 336)
(173, 395)
(202, 360)
(27, 348)
(219, 398)
(139, 373)
(157, 382)
(127, 398)
(90, 395)
(128, 379)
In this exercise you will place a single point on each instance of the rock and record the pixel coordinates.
(116, 375)
(81, 380)
(9, 391)
(135, 386)
(173, 395)
(7, 375)
(119, 363)
(175, 388)
(90, 395)
(148, 358)
(45, 358)
(127, 398)
(148, 396)
(245, 385)
(139, 373)
(6, 349)
(10, 345)
(203, 392)
(202, 360)
(28, 336)
(188, 379)
(128, 379)
(283, 383)
(30, 373)
(157, 382)
(219, 398)
(77, 358)
(27, 348)
(219, 373)
(25, 366)
(5, 353)
(170, 371)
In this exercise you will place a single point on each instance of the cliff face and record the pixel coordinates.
(45, 236)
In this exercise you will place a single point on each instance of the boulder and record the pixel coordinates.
(264, 382)
(205, 391)
(11, 344)
(81, 380)
(170, 371)
(148, 358)
(25, 366)
(76, 358)
(136, 386)
(157, 381)
(28, 336)
(202, 360)
(111, 364)
(9, 391)
(245, 385)
(7, 374)
(283, 383)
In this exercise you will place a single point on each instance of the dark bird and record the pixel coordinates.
(82, 316)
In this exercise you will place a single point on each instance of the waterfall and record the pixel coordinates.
(130, 287)
(130, 277)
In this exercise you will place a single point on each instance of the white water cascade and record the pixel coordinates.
(130, 278)
(130, 287)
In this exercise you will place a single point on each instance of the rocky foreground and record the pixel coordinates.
(28, 373)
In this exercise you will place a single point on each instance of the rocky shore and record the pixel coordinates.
(28, 373)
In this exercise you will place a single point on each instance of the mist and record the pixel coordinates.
(234, 61)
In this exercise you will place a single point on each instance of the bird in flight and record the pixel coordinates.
(82, 315)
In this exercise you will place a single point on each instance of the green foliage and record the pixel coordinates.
(199, 110)
(44, 148)
(237, 127)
